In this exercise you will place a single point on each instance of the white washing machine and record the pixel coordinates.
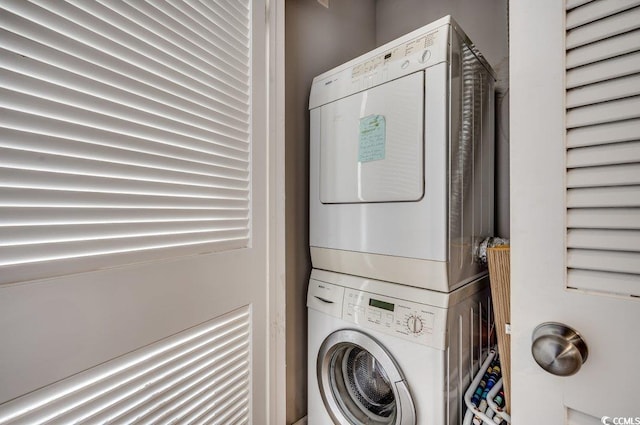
(387, 354)
(401, 161)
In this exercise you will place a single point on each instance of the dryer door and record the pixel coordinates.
(360, 383)
(371, 144)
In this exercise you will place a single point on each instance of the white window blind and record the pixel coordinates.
(198, 376)
(603, 146)
(125, 132)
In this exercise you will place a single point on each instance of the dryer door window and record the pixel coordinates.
(360, 383)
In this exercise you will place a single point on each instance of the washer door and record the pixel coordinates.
(360, 383)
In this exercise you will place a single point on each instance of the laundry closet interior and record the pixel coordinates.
(320, 38)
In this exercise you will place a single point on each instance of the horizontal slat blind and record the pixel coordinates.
(608, 26)
(598, 10)
(191, 377)
(603, 146)
(124, 133)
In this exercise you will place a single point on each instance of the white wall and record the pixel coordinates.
(486, 24)
(317, 39)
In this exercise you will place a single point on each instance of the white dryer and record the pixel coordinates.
(387, 354)
(401, 161)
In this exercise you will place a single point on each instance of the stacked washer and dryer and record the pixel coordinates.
(401, 195)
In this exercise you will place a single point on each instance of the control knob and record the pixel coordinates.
(414, 323)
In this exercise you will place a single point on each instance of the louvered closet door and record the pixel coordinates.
(575, 199)
(133, 212)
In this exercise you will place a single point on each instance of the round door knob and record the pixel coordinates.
(558, 349)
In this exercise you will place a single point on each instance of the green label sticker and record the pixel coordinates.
(373, 135)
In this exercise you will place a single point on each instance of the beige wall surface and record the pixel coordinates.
(317, 39)
(486, 24)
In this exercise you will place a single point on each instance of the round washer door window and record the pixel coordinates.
(360, 383)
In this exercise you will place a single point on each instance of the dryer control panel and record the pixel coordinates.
(415, 322)
(409, 54)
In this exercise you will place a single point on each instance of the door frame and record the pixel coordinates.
(536, 31)
(276, 391)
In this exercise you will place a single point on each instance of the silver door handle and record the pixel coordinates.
(558, 349)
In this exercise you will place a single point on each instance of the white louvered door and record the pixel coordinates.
(135, 198)
(575, 204)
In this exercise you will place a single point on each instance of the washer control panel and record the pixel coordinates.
(405, 319)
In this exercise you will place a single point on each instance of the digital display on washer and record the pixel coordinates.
(381, 304)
